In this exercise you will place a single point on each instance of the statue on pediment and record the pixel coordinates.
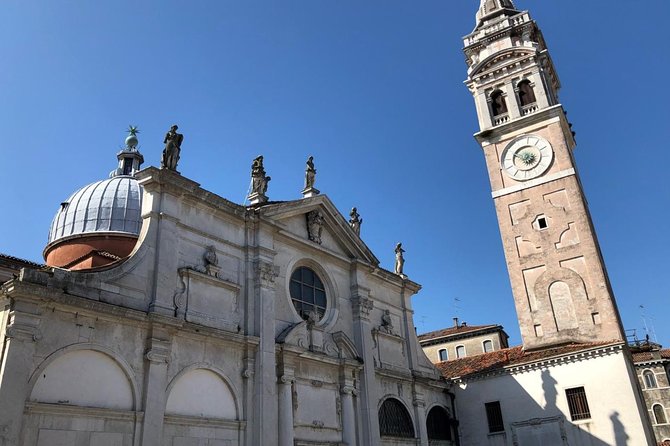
(355, 221)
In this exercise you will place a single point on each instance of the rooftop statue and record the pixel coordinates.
(259, 181)
(172, 143)
(355, 221)
(399, 259)
(310, 173)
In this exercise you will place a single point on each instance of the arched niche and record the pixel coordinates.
(562, 306)
(200, 392)
(84, 377)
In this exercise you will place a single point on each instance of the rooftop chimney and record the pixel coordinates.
(456, 322)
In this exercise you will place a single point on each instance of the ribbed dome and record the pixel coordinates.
(111, 205)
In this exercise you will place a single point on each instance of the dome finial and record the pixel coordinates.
(129, 157)
(131, 140)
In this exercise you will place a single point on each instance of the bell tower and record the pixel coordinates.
(560, 285)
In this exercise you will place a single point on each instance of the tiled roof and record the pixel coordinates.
(649, 356)
(497, 360)
(461, 329)
(11, 261)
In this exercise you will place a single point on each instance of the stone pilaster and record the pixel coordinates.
(348, 415)
(157, 357)
(285, 410)
(420, 416)
(362, 305)
(21, 334)
(265, 378)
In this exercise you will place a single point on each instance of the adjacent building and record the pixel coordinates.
(652, 363)
(462, 340)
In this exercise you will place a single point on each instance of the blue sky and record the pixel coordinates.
(374, 91)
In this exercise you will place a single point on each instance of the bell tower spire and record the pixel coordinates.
(561, 290)
(490, 9)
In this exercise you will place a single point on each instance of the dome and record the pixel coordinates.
(100, 223)
(111, 205)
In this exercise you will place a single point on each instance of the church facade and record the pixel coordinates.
(268, 324)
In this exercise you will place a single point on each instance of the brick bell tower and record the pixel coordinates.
(560, 285)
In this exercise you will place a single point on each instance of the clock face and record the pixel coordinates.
(527, 157)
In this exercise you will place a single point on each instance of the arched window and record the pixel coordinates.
(488, 346)
(438, 424)
(394, 421)
(444, 356)
(659, 414)
(649, 379)
(526, 93)
(460, 351)
(308, 293)
(498, 105)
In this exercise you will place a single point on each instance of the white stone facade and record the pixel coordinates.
(167, 348)
(535, 408)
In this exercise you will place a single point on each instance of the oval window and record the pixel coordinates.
(308, 293)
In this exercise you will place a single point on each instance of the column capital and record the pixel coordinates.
(348, 390)
(362, 306)
(267, 273)
(286, 379)
(159, 352)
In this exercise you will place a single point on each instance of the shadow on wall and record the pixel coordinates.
(518, 419)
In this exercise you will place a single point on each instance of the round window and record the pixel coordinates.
(308, 293)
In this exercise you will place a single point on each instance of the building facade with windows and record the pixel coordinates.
(462, 340)
(652, 364)
(222, 325)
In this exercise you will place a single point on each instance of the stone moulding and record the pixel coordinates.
(207, 300)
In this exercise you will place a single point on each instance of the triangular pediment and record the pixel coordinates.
(336, 235)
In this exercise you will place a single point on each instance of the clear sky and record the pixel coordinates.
(374, 91)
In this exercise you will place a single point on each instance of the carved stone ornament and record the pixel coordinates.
(362, 306)
(315, 225)
(387, 323)
(267, 273)
(23, 333)
(158, 355)
(211, 261)
(172, 149)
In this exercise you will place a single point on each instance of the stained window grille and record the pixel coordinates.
(659, 414)
(394, 421)
(307, 292)
(578, 404)
(494, 417)
(443, 354)
(649, 379)
(438, 424)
